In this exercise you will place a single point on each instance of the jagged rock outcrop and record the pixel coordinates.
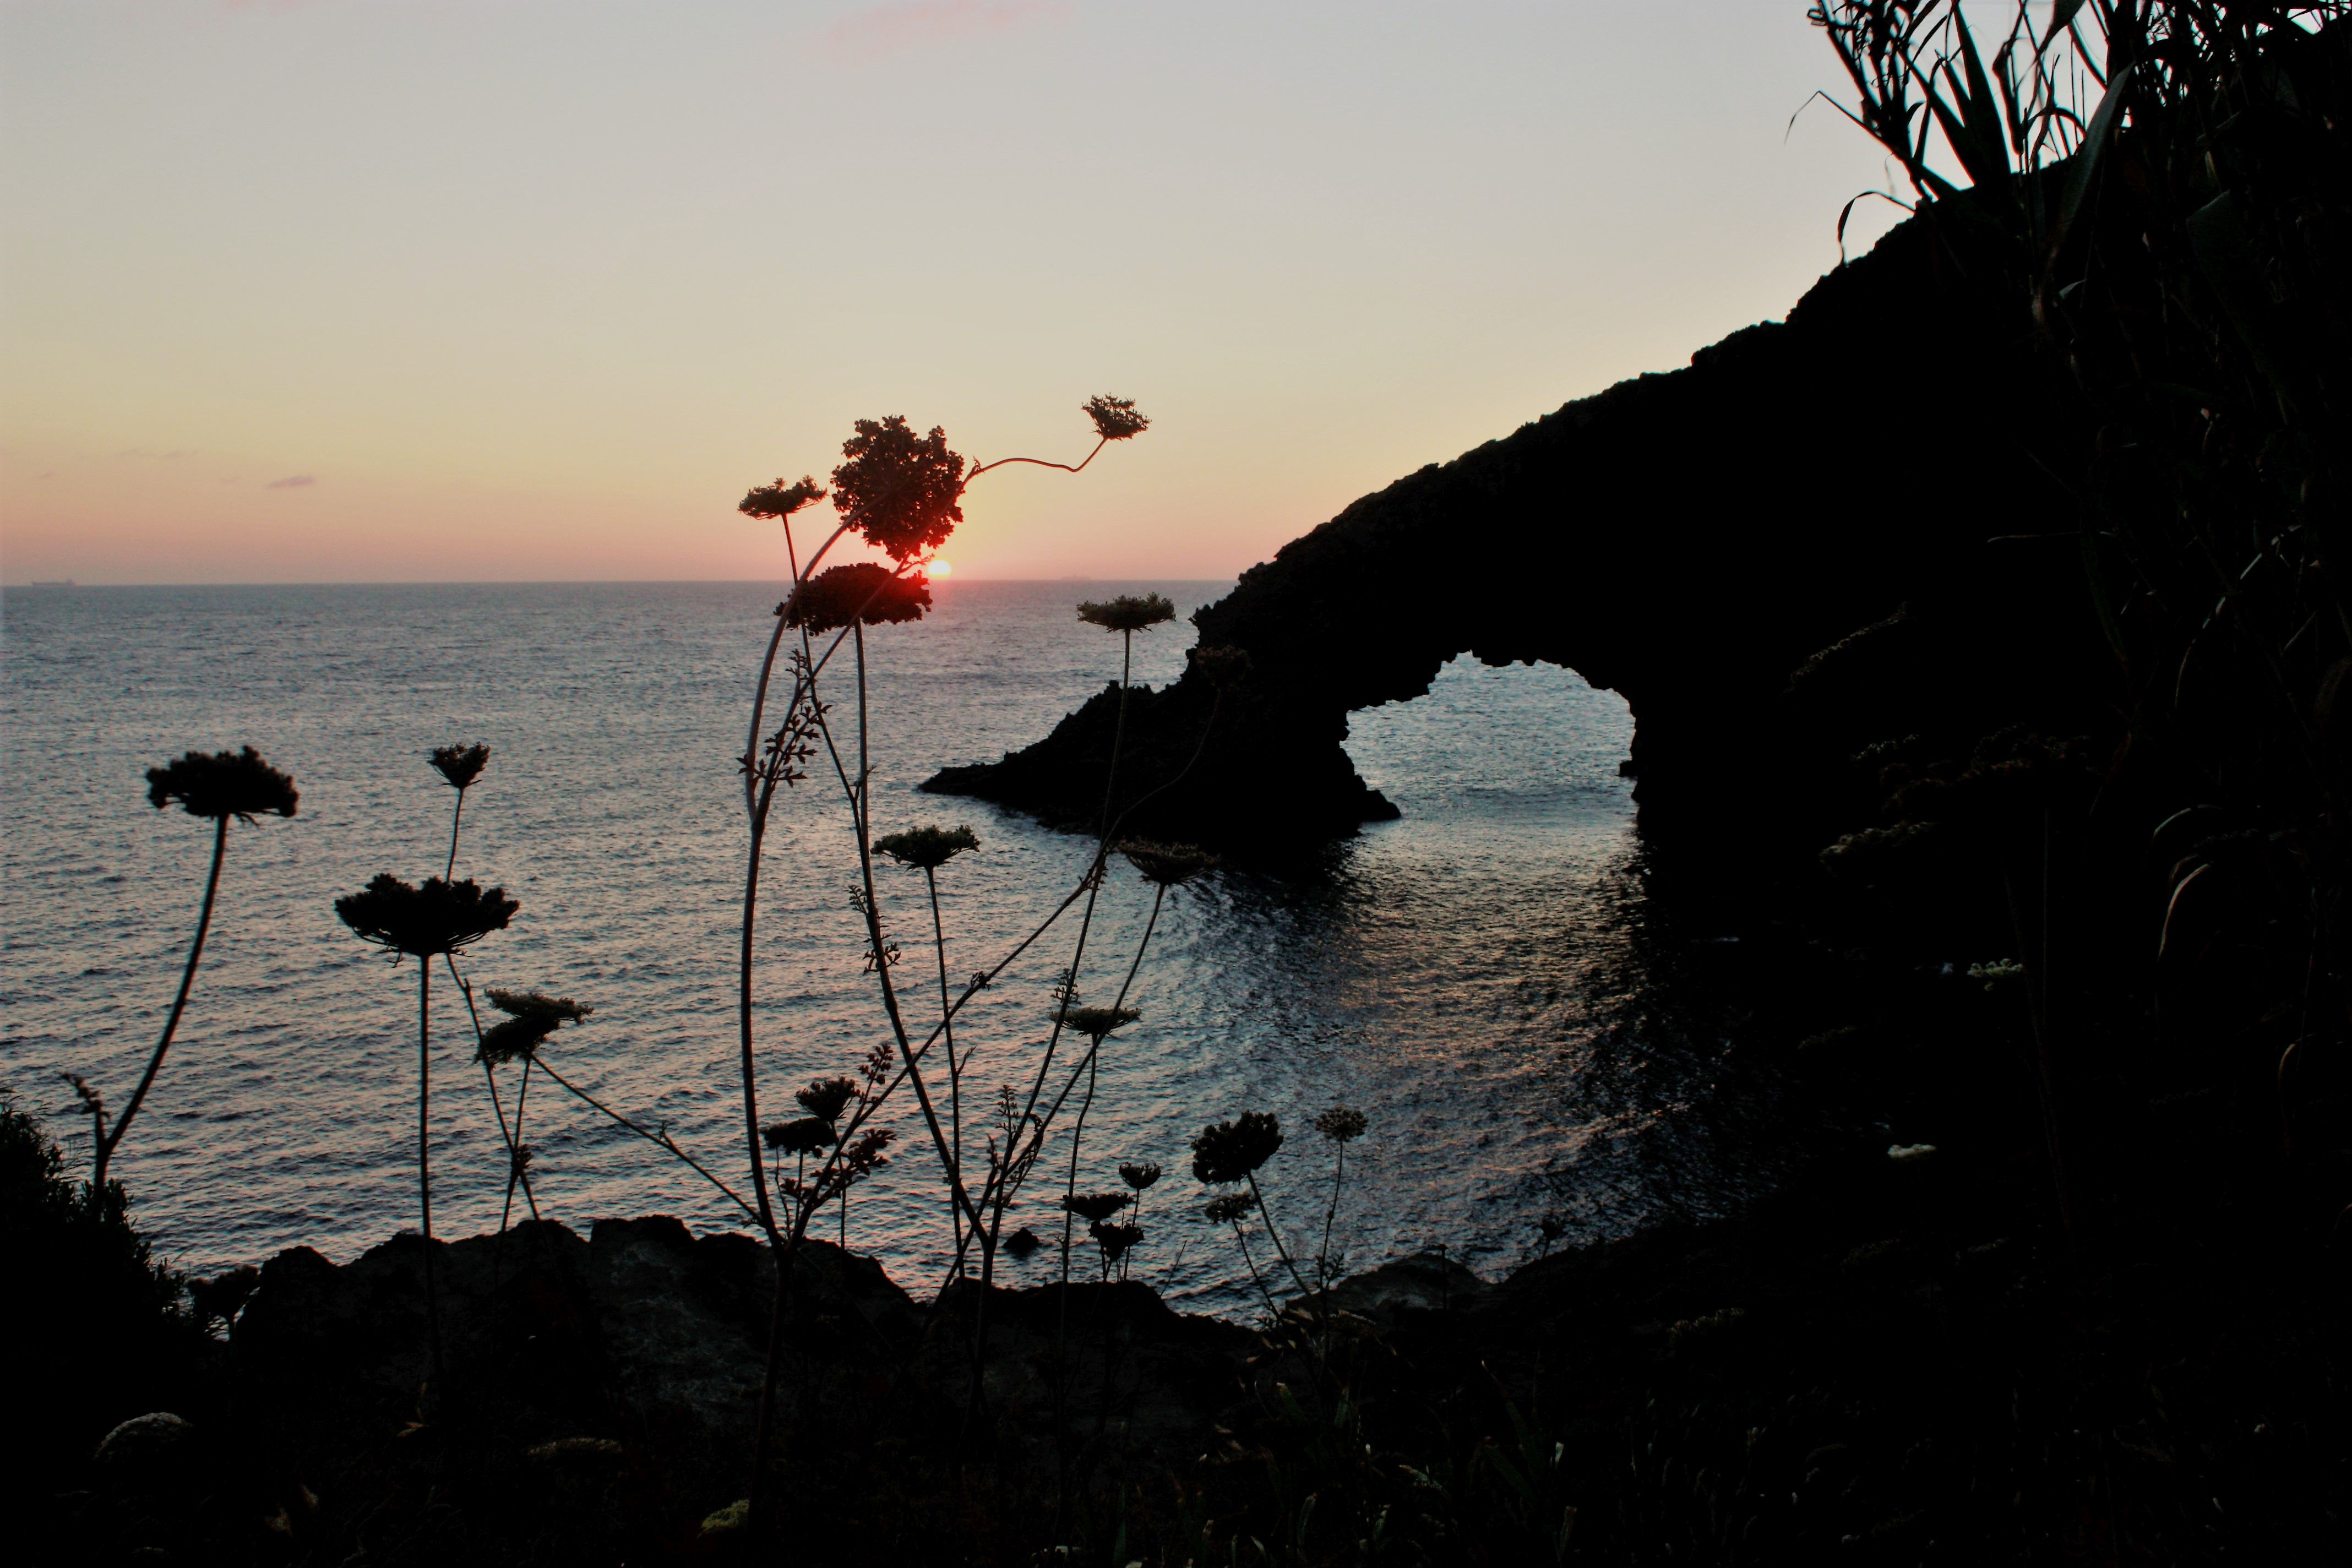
(1828, 486)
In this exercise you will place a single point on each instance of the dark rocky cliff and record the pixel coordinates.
(1828, 486)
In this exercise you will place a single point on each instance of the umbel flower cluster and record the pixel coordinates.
(440, 917)
(221, 784)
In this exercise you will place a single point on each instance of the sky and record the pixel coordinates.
(375, 290)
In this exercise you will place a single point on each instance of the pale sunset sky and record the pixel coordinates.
(370, 291)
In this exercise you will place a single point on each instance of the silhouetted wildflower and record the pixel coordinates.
(1115, 1239)
(1222, 668)
(780, 500)
(862, 591)
(1115, 418)
(1021, 1242)
(826, 1098)
(532, 1016)
(1231, 1208)
(1097, 1023)
(437, 918)
(1096, 1206)
(927, 847)
(803, 1135)
(513, 1039)
(539, 1004)
(1128, 612)
(222, 783)
(461, 766)
(899, 490)
(1231, 1151)
(1139, 1176)
(1169, 865)
(1341, 1125)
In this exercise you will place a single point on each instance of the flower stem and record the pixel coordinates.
(107, 1143)
(424, 1153)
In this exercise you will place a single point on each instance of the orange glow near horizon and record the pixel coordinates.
(295, 293)
(939, 569)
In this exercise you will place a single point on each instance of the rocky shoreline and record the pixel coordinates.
(1885, 1359)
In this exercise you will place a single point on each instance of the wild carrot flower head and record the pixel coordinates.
(862, 591)
(1139, 1176)
(1115, 418)
(1229, 1151)
(1231, 1208)
(1222, 668)
(865, 1156)
(803, 1135)
(1341, 1125)
(780, 500)
(826, 1098)
(1097, 1023)
(539, 1004)
(1115, 1239)
(513, 1039)
(1096, 1205)
(1128, 612)
(1169, 865)
(222, 783)
(899, 490)
(927, 847)
(439, 917)
(532, 1016)
(461, 766)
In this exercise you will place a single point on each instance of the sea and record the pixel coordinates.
(1543, 1048)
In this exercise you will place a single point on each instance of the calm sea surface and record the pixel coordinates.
(1488, 978)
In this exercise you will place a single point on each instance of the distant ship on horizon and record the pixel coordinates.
(52, 582)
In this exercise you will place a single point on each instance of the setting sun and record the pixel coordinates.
(939, 569)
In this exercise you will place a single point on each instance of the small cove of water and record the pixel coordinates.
(1488, 978)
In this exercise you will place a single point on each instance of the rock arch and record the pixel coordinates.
(1783, 550)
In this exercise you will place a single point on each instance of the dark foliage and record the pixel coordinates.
(223, 784)
(899, 490)
(97, 1326)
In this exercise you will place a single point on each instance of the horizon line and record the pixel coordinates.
(560, 581)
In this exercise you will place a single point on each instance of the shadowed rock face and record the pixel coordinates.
(1826, 485)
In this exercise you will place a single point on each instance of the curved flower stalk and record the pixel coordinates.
(216, 786)
(434, 921)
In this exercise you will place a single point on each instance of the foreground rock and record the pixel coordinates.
(628, 1365)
